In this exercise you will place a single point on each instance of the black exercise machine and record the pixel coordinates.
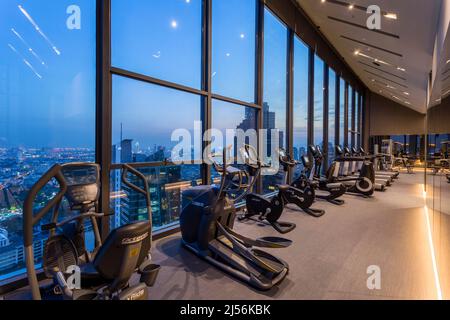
(207, 221)
(103, 273)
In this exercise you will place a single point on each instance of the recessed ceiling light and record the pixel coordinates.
(323, 1)
(357, 52)
(351, 7)
(390, 15)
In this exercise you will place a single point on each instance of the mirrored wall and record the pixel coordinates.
(437, 177)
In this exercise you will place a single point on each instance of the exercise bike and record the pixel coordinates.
(310, 177)
(206, 224)
(304, 195)
(264, 209)
(105, 273)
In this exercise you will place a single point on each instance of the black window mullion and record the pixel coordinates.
(290, 98)
(259, 83)
(206, 82)
(326, 116)
(103, 129)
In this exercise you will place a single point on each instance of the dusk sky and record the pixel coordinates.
(49, 98)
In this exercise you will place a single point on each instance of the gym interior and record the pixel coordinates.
(224, 150)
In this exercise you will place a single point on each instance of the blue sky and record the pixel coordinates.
(53, 105)
(50, 104)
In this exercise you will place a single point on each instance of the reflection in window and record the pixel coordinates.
(332, 115)
(275, 99)
(144, 118)
(161, 39)
(318, 100)
(47, 108)
(342, 113)
(233, 48)
(301, 52)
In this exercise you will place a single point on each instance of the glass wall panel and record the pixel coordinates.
(351, 104)
(331, 115)
(318, 100)
(342, 113)
(145, 117)
(275, 81)
(161, 39)
(233, 48)
(47, 108)
(301, 69)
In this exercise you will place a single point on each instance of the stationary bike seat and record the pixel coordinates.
(283, 187)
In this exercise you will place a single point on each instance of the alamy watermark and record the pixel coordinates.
(189, 146)
(374, 279)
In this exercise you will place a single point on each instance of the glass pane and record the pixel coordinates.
(228, 118)
(166, 185)
(144, 118)
(318, 101)
(332, 115)
(301, 69)
(351, 108)
(301, 52)
(275, 77)
(161, 39)
(47, 106)
(342, 114)
(233, 48)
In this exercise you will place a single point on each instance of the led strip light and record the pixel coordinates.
(432, 251)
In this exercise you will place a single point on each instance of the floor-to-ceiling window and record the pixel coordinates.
(233, 48)
(318, 100)
(342, 114)
(275, 98)
(47, 107)
(331, 115)
(300, 142)
(350, 126)
(162, 40)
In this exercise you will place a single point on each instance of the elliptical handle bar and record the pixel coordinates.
(29, 218)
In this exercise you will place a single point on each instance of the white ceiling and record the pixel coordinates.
(411, 37)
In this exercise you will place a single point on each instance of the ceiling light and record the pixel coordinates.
(323, 1)
(448, 61)
(357, 52)
(406, 102)
(401, 69)
(407, 93)
(350, 7)
(390, 15)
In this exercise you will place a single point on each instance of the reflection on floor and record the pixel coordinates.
(330, 255)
